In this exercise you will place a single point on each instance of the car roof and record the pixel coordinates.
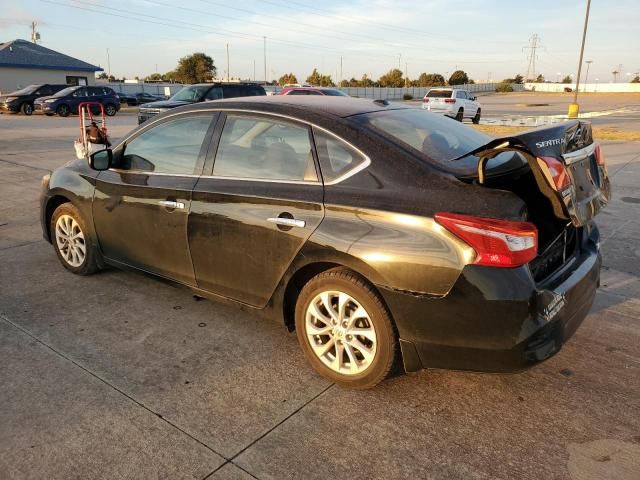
(323, 105)
(214, 84)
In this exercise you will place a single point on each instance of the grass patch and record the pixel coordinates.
(599, 133)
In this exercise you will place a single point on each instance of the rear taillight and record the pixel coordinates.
(555, 172)
(449, 100)
(498, 243)
(425, 100)
(599, 155)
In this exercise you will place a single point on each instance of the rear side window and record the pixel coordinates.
(439, 94)
(337, 158)
(461, 94)
(263, 148)
(215, 93)
(298, 92)
(172, 147)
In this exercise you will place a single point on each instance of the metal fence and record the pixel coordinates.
(384, 93)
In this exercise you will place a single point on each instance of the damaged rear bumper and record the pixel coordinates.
(498, 319)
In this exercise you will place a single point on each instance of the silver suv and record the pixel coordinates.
(453, 102)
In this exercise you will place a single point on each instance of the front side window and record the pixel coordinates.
(462, 94)
(336, 157)
(172, 147)
(260, 148)
(191, 94)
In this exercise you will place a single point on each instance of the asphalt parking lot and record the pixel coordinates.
(119, 375)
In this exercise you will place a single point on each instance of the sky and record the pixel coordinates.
(485, 38)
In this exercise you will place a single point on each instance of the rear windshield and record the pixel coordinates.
(439, 94)
(438, 137)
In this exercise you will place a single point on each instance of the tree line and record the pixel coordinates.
(200, 68)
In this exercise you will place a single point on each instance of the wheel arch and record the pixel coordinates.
(50, 207)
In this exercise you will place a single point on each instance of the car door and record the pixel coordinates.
(77, 97)
(254, 211)
(141, 206)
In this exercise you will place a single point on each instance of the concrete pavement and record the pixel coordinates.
(119, 375)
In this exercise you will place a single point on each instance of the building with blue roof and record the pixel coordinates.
(24, 63)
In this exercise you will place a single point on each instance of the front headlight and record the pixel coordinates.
(50, 100)
(10, 99)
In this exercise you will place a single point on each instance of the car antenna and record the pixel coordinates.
(384, 103)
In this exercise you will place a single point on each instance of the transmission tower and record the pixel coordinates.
(532, 47)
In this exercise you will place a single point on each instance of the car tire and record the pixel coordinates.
(476, 118)
(49, 114)
(357, 347)
(63, 110)
(26, 108)
(459, 115)
(110, 109)
(72, 241)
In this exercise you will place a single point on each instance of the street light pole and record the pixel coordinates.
(588, 62)
(574, 109)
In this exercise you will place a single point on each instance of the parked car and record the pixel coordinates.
(66, 101)
(140, 98)
(22, 100)
(303, 90)
(202, 92)
(377, 232)
(453, 102)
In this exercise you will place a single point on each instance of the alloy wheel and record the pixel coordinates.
(340, 332)
(70, 240)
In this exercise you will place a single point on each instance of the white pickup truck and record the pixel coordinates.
(453, 102)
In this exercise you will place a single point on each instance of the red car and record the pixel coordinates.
(311, 91)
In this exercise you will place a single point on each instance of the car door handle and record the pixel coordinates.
(171, 204)
(287, 222)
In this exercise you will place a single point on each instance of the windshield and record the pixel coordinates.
(436, 136)
(25, 90)
(335, 93)
(190, 94)
(65, 91)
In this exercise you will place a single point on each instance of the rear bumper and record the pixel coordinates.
(497, 320)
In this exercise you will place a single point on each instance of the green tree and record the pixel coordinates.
(540, 79)
(365, 81)
(103, 76)
(459, 77)
(315, 78)
(195, 68)
(567, 79)
(636, 79)
(154, 77)
(287, 78)
(429, 80)
(393, 78)
(519, 79)
(111, 78)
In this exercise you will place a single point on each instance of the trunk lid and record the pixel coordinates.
(570, 147)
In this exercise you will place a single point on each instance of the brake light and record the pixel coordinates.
(599, 155)
(498, 243)
(449, 100)
(555, 172)
(425, 100)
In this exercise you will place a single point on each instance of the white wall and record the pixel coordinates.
(15, 78)
(585, 87)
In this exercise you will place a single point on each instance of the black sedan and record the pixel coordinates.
(381, 233)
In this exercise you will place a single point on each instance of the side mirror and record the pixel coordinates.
(473, 98)
(101, 160)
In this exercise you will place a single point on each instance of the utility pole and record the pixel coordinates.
(406, 74)
(108, 64)
(228, 62)
(531, 68)
(35, 36)
(265, 59)
(340, 70)
(254, 69)
(399, 59)
(574, 109)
